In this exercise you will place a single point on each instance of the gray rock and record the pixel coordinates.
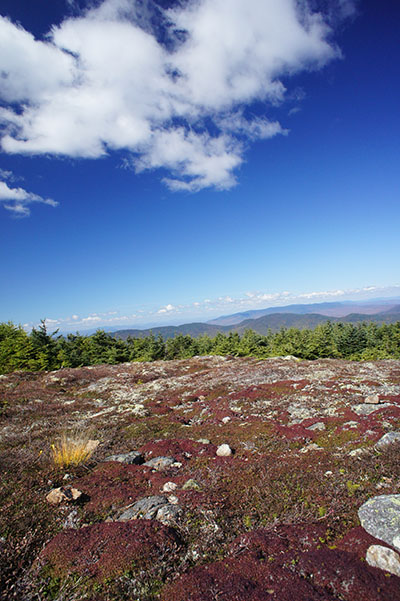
(145, 508)
(224, 450)
(168, 514)
(152, 508)
(160, 463)
(383, 558)
(380, 517)
(387, 439)
(364, 409)
(132, 458)
(317, 426)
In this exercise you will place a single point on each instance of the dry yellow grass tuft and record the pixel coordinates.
(73, 449)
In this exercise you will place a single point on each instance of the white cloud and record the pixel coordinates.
(21, 199)
(102, 82)
(167, 309)
(198, 309)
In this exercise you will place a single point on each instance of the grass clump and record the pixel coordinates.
(73, 449)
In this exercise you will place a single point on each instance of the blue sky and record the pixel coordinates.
(163, 163)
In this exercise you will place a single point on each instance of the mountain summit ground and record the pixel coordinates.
(164, 514)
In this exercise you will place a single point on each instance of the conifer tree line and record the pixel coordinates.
(41, 350)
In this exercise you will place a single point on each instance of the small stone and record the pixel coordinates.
(224, 450)
(160, 463)
(173, 499)
(226, 419)
(351, 424)
(387, 439)
(383, 558)
(372, 399)
(177, 464)
(140, 410)
(67, 477)
(357, 452)
(64, 494)
(310, 447)
(328, 473)
(191, 485)
(169, 487)
(131, 458)
(380, 517)
(317, 426)
(204, 441)
(72, 520)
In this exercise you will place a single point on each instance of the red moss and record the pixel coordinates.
(280, 540)
(343, 575)
(242, 579)
(113, 484)
(105, 550)
(357, 541)
(180, 449)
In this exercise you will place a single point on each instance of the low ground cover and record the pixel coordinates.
(280, 511)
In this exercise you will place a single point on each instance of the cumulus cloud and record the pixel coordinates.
(103, 81)
(17, 200)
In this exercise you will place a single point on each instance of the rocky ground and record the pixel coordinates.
(215, 479)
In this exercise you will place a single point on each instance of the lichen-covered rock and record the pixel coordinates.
(380, 516)
(383, 558)
(64, 494)
(109, 549)
(144, 508)
(155, 507)
(387, 439)
(160, 463)
(191, 485)
(132, 458)
(169, 514)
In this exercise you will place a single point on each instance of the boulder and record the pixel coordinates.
(224, 450)
(380, 517)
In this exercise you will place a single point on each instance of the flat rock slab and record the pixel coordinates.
(156, 507)
(132, 458)
(368, 409)
(380, 517)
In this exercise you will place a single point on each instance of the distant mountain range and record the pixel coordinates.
(275, 318)
(333, 309)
